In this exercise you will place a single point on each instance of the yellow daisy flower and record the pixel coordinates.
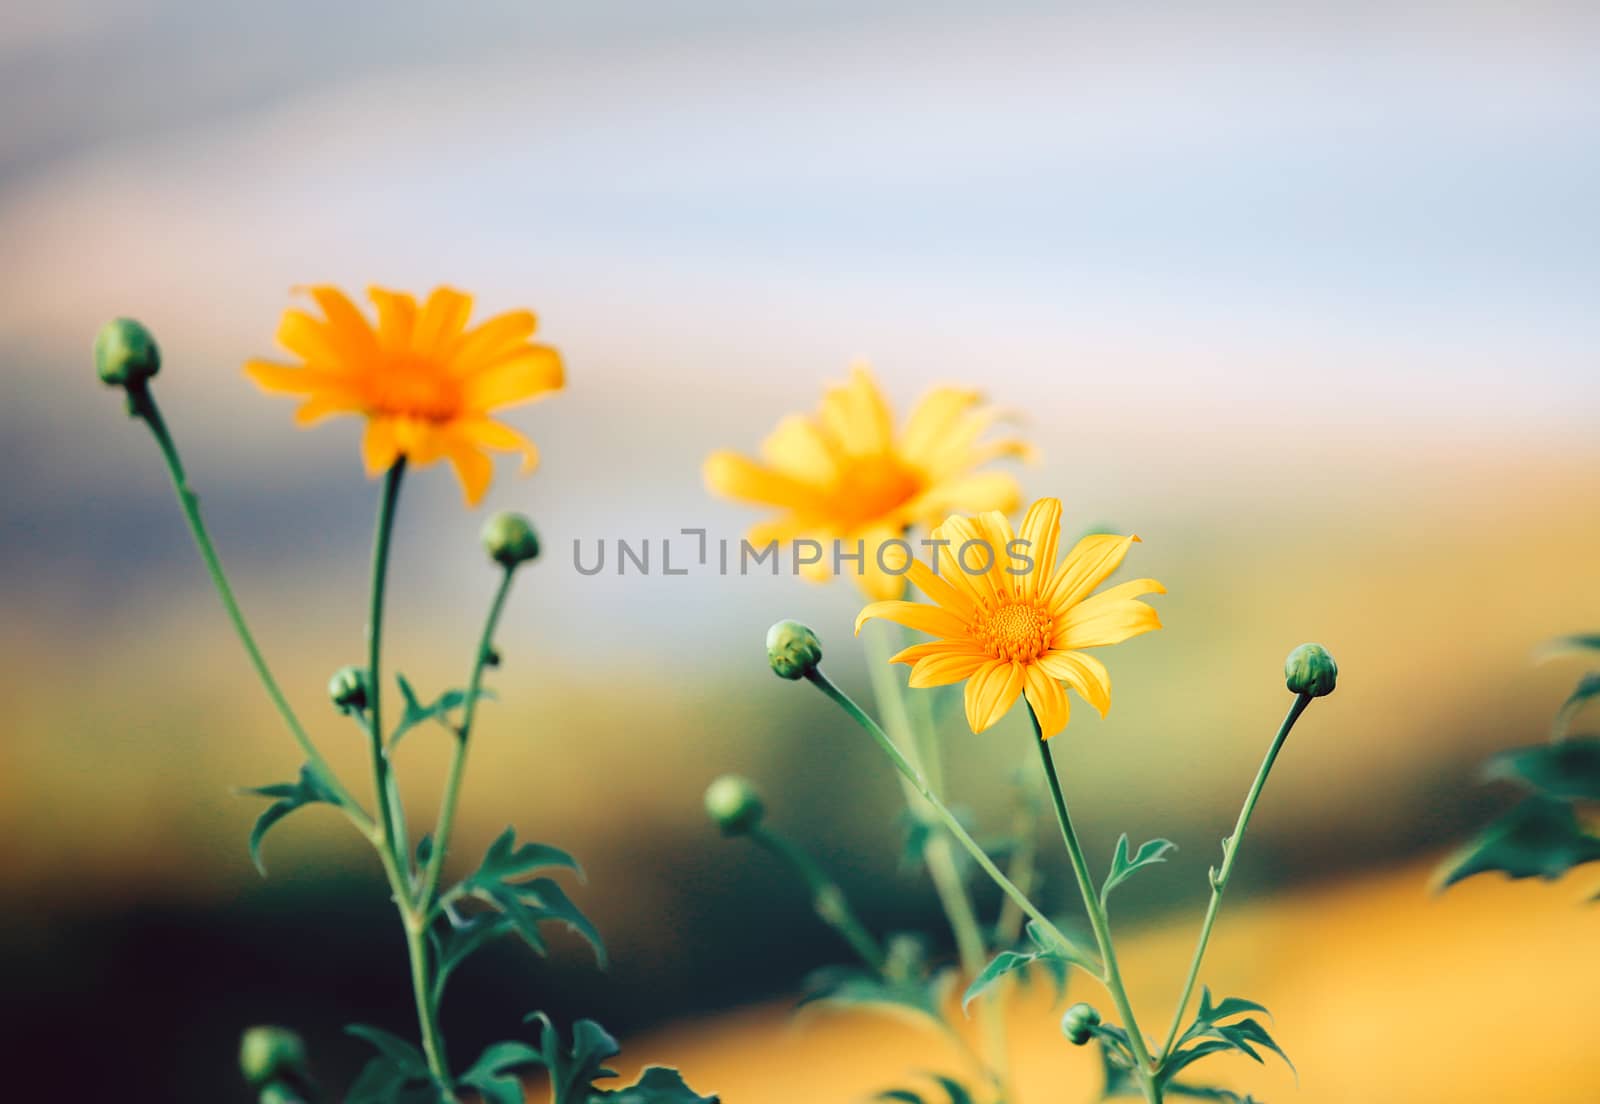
(425, 382)
(846, 475)
(1011, 627)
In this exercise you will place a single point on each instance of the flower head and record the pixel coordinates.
(846, 474)
(793, 650)
(733, 805)
(425, 382)
(1310, 670)
(1013, 621)
(125, 355)
(509, 539)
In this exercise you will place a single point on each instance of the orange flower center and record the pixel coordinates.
(416, 386)
(873, 487)
(1017, 631)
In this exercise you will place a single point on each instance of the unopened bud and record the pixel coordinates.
(793, 650)
(509, 539)
(268, 1054)
(1310, 670)
(733, 805)
(125, 355)
(1079, 1022)
(348, 688)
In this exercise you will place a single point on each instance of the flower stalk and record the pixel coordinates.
(827, 896)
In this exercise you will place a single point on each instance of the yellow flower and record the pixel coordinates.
(425, 382)
(845, 475)
(1012, 621)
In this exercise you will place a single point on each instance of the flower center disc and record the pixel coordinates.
(416, 387)
(1018, 631)
(874, 486)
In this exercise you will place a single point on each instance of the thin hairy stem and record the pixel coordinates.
(1097, 919)
(1220, 876)
(143, 405)
(827, 897)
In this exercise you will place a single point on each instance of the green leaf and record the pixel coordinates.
(1568, 768)
(1211, 1035)
(439, 709)
(954, 1092)
(397, 1075)
(493, 1074)
(1541, 837)
(311, 789)
(456, 940)
(656, 1085)
(527, 904)
(1123, 867)
(905, 1096)
(850, 987)
(1563, 645)
(1007, 963)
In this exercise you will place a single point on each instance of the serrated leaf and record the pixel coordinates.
(1207, 1030)
(457, 940)
(574, 1070)
(1563, 645)
(493, 1074)
(1123, 866)
(1541, 837)
(417, 713)
(311, 789)
(1568, 768)
(656, 1085)
(527, 904)
(1228, 1006)
(506, 859)
(1007, 963)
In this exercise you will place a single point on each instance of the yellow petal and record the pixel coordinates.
(347, 328)
(1049, 701)
(494, 340)
(734, 476)
(1109, 618)
(931, 419)
(286, 379)
(971, 494)
(879, 573)
(944, 668)
(991, 691)
(533, 372)
(1088, 564)
(379, 446)
(936, 647)
(422, 441)
(798, 448)
(959, 600)
(1084, 673)
(309, 339)
(913, 615)
(473, 468)
(324, 403)
(1040, 532)
(963, 557)
(857, 416)
(998, 535)
(488, 433)
(441, 321)
(397, 316)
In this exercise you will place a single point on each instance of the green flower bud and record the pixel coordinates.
(125, 355)
(348, 688)
(268, 1054)
(733, 805)
(793, 650)
(509, 539)
(279, 1093)
(1079, 1022)
(1310, 670)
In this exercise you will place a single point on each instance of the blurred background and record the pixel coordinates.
(1302, 294)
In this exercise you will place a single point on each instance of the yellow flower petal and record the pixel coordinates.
(494, 340)
(944, 668)
(1084, 673)
(440, 322)
(488, 433)
(931, 420)
(800, 450)
(991, 691)
(913, 615)
(1088, 565)
(379, 446)
(1040, 532)
(735, 476)
(472, 467)
(1049, 701)
(531, 373)
(397, 316)
(1109, 618)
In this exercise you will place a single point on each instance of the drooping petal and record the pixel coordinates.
(945, 668)
(1084, 673)
(380, 448)
(1091, 560)
(488, 433)
(473, 469)
(1049, 701)
(991, 691)
(913, 615)
(422, 441)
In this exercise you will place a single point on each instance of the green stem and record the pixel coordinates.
(826, 895)
(1230, 854)
(432, 1038)
(954, 898)
(1097, 919)
(948, 819)
(142, 404)
(381, 539)
(458, 755)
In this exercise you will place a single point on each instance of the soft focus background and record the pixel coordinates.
(1303, 294)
